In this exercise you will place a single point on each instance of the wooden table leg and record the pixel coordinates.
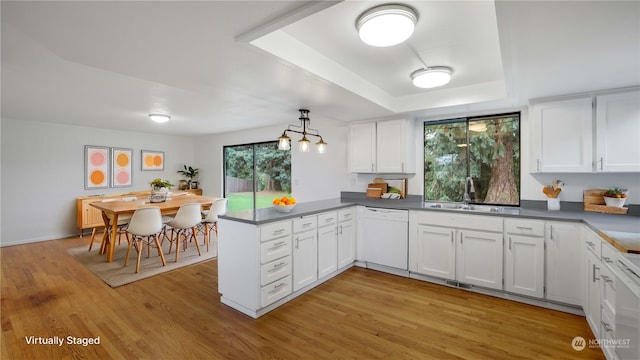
(114, 233)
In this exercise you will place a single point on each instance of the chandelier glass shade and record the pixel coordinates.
(304, 144)
(386, 25)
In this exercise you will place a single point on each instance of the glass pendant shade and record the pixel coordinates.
(322, 146)
(303, 144)
(386, 25)
(284, 142)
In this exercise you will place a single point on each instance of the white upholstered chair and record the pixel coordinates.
(210, 219)
(144, 228)
(184, 225)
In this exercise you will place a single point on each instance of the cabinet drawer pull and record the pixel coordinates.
(606, 278)
(277, 288)
(591, 244)
(278, 266)
(328, 220)
(601, 163)
(593, 276)
(340, 229)
(277, 245)
(606, 326)
(306, 225)
(509, 242)
(278, 232)
(524, 227)
(607, 259)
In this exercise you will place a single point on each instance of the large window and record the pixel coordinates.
(254, 174)
(487, 149)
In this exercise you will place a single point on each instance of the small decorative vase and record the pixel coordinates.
(553, 204)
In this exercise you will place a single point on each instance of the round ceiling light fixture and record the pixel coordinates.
(431, 77)
(386, 25)
(159, 118)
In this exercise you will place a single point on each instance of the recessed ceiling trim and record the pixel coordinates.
(284, 46)
(300, 13)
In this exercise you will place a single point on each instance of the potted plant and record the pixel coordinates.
(161, 185)
(190, 173)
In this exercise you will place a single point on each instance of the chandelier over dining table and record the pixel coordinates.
(284, 141)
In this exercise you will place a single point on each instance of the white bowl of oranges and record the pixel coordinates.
(615, 197)
(284, 204)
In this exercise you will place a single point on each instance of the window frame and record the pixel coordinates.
(467, 120)
(254, 171)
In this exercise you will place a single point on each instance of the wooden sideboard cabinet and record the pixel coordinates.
(90, 217)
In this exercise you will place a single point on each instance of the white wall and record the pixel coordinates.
(313, 176)
(43, 173)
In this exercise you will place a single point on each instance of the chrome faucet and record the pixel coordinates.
(469, 191)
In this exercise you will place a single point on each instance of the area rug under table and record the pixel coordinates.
(116, 274)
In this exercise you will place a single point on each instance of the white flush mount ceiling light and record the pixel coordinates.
(386, 25)
(159, 118)
(431, 77)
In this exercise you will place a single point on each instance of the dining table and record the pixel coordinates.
(113, 209)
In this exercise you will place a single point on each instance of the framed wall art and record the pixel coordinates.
(121, 167)
(152, 160)
(96, 167)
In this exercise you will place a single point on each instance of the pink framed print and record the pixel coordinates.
(121, 167)
(152, 160)
(96, 167)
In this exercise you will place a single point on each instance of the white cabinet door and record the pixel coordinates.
(362, 148)
(479, 258)
(305, 259)
(346, 243)
(394, 146)
(327, 250)
(617, 132)
(562, 136)
(563, 263)
(524, 267)
(436, 255)
(592, 308)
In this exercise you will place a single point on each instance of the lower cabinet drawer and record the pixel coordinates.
(276, 291)
(275, 270)
(275, 249)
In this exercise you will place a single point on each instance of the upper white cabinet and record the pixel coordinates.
(362, 149)
(564, 131)
(382, 147)
(562, 135)
(617, 132)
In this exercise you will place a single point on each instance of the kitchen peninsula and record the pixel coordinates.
(262, 254)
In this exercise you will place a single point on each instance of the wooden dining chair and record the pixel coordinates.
(145, 227)
(210, 219)
(184, 226)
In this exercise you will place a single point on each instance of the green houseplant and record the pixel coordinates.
(190, 173)
(158, 184)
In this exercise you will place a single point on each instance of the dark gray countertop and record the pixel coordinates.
(607, 223)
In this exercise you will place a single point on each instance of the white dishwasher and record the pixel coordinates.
(386, 237)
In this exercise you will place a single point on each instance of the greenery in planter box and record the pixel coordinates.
(158, 183)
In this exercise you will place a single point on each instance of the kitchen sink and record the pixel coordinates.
(471, 207)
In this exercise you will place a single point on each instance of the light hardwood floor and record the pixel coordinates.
(361, 314)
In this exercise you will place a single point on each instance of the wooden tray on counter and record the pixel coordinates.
(593, 200)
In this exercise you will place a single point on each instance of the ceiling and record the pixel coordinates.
(220, 66)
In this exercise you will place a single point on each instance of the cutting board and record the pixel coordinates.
(593, 200)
